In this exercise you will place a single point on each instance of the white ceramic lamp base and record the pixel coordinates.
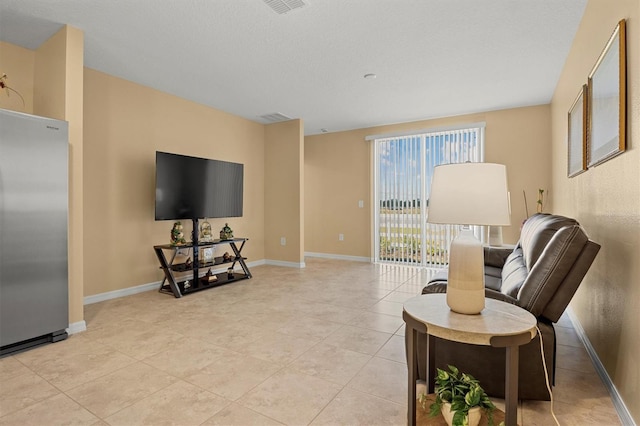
(495, 236)
(465, 287)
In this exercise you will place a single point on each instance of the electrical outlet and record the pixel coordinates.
(361, 204)
(283, 241)
(340, 237)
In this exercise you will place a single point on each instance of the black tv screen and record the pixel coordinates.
(196, 188)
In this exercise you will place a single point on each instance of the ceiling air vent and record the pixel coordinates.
(275, 117)
(284, 6)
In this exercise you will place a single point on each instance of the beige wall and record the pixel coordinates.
(338, 174)
(50, 77)
(284, 191)
(19, 65)
(125, 124)
(606, 201)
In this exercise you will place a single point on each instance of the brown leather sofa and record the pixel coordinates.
(540, 275)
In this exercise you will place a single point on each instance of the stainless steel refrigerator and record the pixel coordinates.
(34, 305)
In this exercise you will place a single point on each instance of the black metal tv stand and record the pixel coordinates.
(178, 282)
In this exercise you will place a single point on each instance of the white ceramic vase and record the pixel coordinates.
(474, 414)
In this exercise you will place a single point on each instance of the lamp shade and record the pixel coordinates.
(469, 194)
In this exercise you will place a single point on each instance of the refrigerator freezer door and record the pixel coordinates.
(33, 227)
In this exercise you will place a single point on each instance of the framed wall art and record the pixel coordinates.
(607, 101)
(577, 138)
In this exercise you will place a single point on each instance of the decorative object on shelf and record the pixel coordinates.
(187, 284)
(211, 277)
(188, 264)
(226, 256)
(230, 273)
(3, 85)
(460, 398)
(468, 194)
(540, 202)
(226, 233)
(177, 236)
(607, 100)
(205, 232)
(207, 255)
(577, 138)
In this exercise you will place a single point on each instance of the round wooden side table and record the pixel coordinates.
(500, 324)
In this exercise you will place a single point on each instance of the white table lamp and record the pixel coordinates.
(468, 194)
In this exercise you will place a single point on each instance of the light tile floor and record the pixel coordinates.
(323, 345)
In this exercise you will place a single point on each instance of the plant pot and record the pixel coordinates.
(473, 417)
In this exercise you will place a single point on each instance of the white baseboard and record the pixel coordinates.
(337, 256)
(618, 403)
(300, 265)
(101, 297)
(77, 327)
(256, 263)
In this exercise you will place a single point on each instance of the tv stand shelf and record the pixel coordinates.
(185, 283)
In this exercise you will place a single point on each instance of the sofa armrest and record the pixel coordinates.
(435, 287)
(496, 256)
(441, 287)
(492, 294)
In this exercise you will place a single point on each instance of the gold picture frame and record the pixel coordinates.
(577, 134)
(607, 101)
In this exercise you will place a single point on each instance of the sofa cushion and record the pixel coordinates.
(496, 255)
(514, 273)
(492, 277)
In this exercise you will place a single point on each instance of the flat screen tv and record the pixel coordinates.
(196, 188)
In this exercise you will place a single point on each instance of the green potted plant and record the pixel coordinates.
(460, 399)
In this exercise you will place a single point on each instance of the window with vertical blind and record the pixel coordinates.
(404, 165)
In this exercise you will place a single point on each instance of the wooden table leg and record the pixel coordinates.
(511, 386)
(412, 373)
(431, 363)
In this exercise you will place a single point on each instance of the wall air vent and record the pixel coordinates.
(284, 6)
(274, 117)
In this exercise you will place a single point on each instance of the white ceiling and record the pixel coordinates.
(432, 58)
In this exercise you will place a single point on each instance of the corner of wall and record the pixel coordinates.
(58, 93)
(284, 187)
